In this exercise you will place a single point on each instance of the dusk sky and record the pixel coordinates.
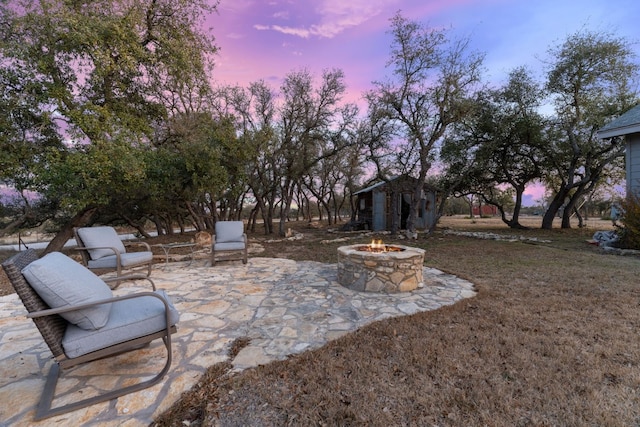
(267, 39)
(261, 39)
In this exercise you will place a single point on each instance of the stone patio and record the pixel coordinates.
(284, 307)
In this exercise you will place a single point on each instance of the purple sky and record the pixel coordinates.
(266, 39)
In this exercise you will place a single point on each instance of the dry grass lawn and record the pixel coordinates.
(551, 339)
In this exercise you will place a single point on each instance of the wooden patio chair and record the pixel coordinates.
(229, 238)
(102, 248)
(81, 321)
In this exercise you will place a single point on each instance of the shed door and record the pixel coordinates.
(379, 202)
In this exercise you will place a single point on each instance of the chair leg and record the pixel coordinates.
(44, 406)
(44, 409)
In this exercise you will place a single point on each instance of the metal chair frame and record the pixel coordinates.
(86, 257)
(52, 328)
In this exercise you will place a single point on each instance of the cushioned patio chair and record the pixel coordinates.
(102, 248)
(229, 237)
(81, 321)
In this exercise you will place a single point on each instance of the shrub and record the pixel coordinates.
(630, 230)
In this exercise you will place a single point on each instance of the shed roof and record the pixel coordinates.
(371, 187)
(390, 181)
(626, 124)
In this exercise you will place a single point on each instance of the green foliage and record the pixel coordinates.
(499, 145)
(90, 175)
(86, 87)
(592, 78)
(630, 232)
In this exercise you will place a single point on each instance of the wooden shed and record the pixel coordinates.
(386, 205)
(628, 126)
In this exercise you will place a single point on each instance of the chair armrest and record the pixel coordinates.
(88, 248)
(129, 277)
(244, 237)
(145, 244)
(51, 311)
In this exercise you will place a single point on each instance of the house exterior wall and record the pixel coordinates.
(633, 163)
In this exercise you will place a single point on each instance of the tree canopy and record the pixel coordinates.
(591, 78)
(432, 80)
(497, 149)
(109, 112)
(95, 78)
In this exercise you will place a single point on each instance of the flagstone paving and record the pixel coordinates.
(283, 306)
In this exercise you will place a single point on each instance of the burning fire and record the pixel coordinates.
(377, 246)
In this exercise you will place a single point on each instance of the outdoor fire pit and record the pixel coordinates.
(380, 268)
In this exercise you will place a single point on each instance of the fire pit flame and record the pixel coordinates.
(377, 246)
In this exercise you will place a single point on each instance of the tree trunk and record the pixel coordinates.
(514, 222)
(552, 210)
(81, 219)
(353, 202)
(443, 202)
(566, 217)
(267, 215)
(580, 219)
(197, 219)
(284, 212)
(135, 225)
(327, 208)
(15, 225)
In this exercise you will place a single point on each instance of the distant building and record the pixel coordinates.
(628, 126)
(485, 210)
(386, 205)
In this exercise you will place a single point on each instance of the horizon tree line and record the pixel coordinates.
(109, 115)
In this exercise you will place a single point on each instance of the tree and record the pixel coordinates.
(500, 146)
(432, 79)
(289, 134)
(310, 129)
(192, 166)
(25, 135)
(99, 73)
(254, 111)
(591, 79)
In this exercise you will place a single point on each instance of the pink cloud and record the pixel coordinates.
(329, 18)
(267, 40)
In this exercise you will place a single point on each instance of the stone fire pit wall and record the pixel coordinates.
(390, 272)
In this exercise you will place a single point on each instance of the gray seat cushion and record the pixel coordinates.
(229, 231)
(100, 237)
(129, 319)
(61, 282)
(128, 259)
(229, 246)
